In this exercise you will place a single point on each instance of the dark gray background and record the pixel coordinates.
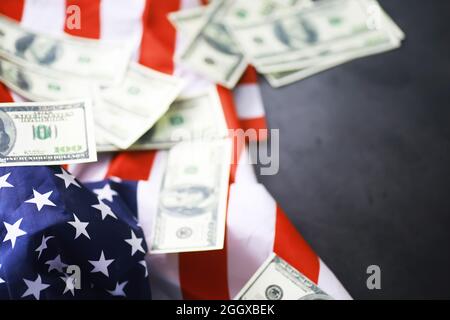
(365, 159)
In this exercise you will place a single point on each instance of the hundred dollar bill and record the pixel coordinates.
(278, 79)
(192, 202)
(354, 47)
(363, 46)
(36, 85)
(244, 11)
(212, 51)
(71, 56)
(188, 21)
(308, 31)
(46, 133)
(189, 118)
(124, 113)
(278, 280)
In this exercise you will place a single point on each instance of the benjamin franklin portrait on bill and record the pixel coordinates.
(7, 132)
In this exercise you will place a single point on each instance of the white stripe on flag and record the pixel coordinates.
(330, 284)
(47, 16)
(250, 232)
(122, 20)
(245, 172)
(165, 282)
(16, 97)
(163, 268)
(149, 200)
(90, 172)
(195, 83)
(249, 102)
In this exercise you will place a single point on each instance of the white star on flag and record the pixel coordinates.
(101, 265)
(35, 287)
(13, 232)
(41, 200)
(43, 245)
(1, 280)
(105, 210)
(56, 264)
(144, 264)
(106, 193)
(135, 243)
(68, 179)
(4, 183)
(118, 290)
(80, 227)
(70, 284)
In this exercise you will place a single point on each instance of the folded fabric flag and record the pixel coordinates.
(61, 240)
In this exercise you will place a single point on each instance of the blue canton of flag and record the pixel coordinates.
(61, 239)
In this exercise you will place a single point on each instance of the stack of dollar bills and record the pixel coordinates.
(286, 40)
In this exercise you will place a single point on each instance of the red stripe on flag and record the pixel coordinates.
(158, 37)
(250, 76)
(5, 96)
(229, 110)
(132, 165)
(203, 275)
(228, 106)
(290, 246)
(256, 124)
(12, 8)
(89, 18)
(157, 49)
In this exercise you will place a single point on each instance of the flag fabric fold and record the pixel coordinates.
(62, 240)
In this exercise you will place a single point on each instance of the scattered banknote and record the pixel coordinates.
(188, 21)
(192, 202)
(212, 52)
(46, 133)
(279, 79)
(278, 280)
(289, 40)
(302, 33)
(97, 61)
(291, 74)
(189, 118)
(126, 112)
(36, 85)
(359, 45)
(244, 11)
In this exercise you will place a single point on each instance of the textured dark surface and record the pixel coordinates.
(365, 159)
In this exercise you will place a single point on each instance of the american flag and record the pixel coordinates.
(256, 225)
(52, 224)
